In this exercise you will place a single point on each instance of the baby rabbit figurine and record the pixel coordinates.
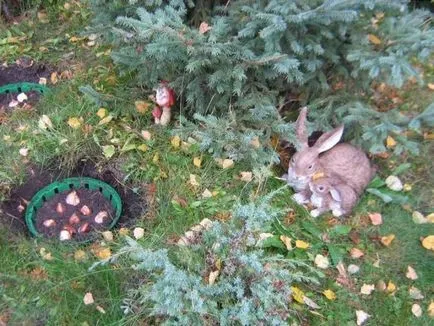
(331, 193)
(343, 160)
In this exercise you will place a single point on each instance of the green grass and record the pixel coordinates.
(57, 297)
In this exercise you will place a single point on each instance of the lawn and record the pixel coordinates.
(170, 185)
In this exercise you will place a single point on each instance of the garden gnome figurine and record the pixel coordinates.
(165, 99)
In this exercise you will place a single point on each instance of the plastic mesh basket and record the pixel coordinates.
(68, 184)
(23, 87)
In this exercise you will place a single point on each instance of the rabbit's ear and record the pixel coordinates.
(329, 139)
(300, 127)
(335, 194)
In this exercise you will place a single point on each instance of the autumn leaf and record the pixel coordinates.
(142, 147)
(297, 294)
(387, 240)
(286, 240)
(146, 135)
(197, 162)
(310, 303)
(329, 294)
(374, 39)
(416, 310)
(53, 78)
(394, 183)
(100, 309)
(106, 120)
(204, 27)
(418, 218)
(246, 176)
(361, 317)
(38, 274)
(415, 293)
(88, 298)
(108, 150)
(206, 194)
(367, 289)
(428, 242)
(391, 287)
(176, 142)
(42, 17)
(430, 218)
(24, 151)
(301, 244)
(103, 253)
(75, 122)
(321, 262)
(142, 106)
(108, 236)
(390, 142)
(411, 273)
(376, 218)
(353, 269)
(213, 277)
(45, 122)
(123, 231)
(193, 181)
(46, 255)
(80, 255)
(431, 309)
(356, 253)
(226, 163)
(101, 113)
(431, 86)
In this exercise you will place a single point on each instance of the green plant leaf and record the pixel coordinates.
(108, 151)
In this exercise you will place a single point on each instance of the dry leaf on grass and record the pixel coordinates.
(138, 233)
(75, 122)
(286, 240)
(88, 298)
(100, 309)
(361, 317)
(246, 176)
(24, 151)
(101, 113)
(416, 310)
(374, 39)
(411, 273)
(175, 142)
(193, 181)
(428, 242)
(356, 253)
(390, 142)
(213, 277)
(297, 294)
(108, 236)
(376, 218)
(343, 276)
(431, 309)
(197, 162)
(391, 287)
(367, 289)
(415, 293)
(353, 269)
(387, 240)
(80, 255)
(204, 27)
(329, 294)
(142, 106)
(302, 244)
(394, 183)
(418, 218)
(321, 262)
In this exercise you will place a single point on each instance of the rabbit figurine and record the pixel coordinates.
(332, 194)
(344, 160)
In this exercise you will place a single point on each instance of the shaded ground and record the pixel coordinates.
(25, 71)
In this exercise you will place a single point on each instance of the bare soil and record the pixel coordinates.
(91, 198)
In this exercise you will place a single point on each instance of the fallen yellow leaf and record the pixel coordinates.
(329, 294)
(374, 39)
(428, 242)
(297, 294)
(106, 120)
(301, 244)
(390, 142)
(246, 176)
(123, 231)
(431, 86)
(142, 106)
(176, 142)
(213, 277)
(88, 298)
(54, 78)
(197, 162)
(80, 255)
(431, 309)
(142, 147)
(387, 240)
(391, 287)
(356, 253)
(430, 218)
(411, 273)
(156, 158)
(75, 122)
(287, 241)
(376, 218)
(103, 253)
(101, 113)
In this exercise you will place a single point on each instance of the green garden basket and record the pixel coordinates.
(23, 87)
(68, 184)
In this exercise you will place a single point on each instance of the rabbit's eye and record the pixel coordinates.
(293, 160)
(321, 188)
(310, 167)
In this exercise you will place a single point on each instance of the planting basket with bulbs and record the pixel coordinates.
(71, 184)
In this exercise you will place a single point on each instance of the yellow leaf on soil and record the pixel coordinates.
(75, 122)
(297, 294)
(431, 86)
(54, 78)
(101, 113)
(301, 244)
(142, 147)
(329, 294)
(80, 255)
(387, 240)
(390, 142)
(374, 39)
(428, 242)
(431, 309)
(287, 241)
(197, 162)
(176, 142)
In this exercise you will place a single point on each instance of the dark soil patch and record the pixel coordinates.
(16, 73)
(133, 202)
(93, 199)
